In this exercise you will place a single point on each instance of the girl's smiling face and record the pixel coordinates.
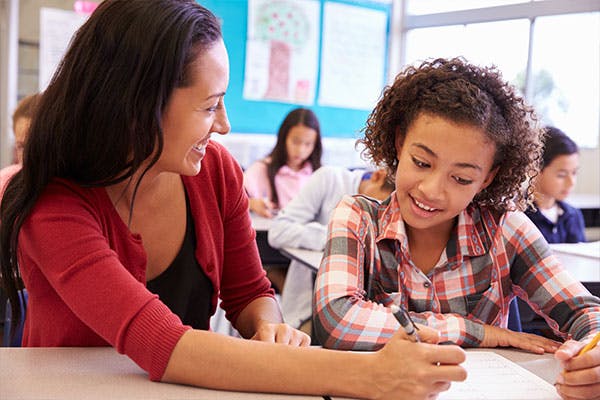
(442, 165)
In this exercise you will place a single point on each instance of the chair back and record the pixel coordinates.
(14, 341)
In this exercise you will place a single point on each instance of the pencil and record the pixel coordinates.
(405, 322)
(590, 345)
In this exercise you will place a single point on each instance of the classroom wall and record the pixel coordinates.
(251, 116)
(589, 174)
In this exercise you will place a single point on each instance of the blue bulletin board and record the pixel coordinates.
(250, 116)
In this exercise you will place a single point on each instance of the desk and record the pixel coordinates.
(582, 260)
(95, 373)
(260, 223)
(582, 263)
(268, 255)
(308, 258)
(544, 366)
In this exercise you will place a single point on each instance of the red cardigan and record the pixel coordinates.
(85, 271)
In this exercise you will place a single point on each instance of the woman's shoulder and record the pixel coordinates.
(66, 197)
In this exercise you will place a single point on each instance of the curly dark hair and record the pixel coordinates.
(467, 94)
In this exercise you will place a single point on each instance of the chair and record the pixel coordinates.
(15, 341)
(514, 316)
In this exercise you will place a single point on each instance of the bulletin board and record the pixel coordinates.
(251, 116)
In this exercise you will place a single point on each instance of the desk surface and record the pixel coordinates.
(260, 223)
(102, 373)
(544, 366)
(95, 373)
(583, 267)
(582, 260)
(309, 258)
(585, 201)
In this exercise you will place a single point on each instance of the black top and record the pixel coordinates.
(183, 286)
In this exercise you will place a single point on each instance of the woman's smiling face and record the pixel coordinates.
(194, 112)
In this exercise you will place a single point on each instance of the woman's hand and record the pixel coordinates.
(580, 378)
(416, 370)
(263, 207)
(501, 337)
(281, 333)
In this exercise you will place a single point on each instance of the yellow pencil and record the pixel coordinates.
(591, 344)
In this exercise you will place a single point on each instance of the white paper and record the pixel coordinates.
(56, 30)
(282, 49)
(493, 377)
(353, 56)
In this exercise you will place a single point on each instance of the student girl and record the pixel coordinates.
(450, 245)
(118, 189)
(558, 221)
(273, 181)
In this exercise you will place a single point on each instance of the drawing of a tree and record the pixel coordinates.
(286, 27)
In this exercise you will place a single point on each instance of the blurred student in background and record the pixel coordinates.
(21, 119)
(273, 181)
(558, 221)
(303, 224)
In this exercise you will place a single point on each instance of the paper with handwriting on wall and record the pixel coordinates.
(493, 377)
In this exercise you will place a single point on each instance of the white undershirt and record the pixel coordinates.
(552, 213)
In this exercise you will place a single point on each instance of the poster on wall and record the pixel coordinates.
(353, 56)
(56, 29)
(282, 49)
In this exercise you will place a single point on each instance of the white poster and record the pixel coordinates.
(56, 30)
(353, 56)
(282, 49)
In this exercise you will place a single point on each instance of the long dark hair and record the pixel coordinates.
(279, 155)
(100, 117)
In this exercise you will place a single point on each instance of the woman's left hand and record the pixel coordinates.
(580, 377)
(281, 333)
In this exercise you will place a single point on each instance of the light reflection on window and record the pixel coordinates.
(420, 7)
(503, 44)
(566, 74)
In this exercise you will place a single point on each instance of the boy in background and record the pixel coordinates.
(303, 224)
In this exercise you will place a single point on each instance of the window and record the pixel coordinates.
(566, 74)
(548, 49)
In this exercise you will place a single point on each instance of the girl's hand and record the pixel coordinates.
(580, 378)
(263, 207)
(501, 337)
(406, 370)
(281, 333)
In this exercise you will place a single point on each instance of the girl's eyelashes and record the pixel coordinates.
(419, 163)
(423, 164)
(462, 181)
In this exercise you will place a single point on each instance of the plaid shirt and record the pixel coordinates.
(488, 260)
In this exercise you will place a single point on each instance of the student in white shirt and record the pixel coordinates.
(303, 224)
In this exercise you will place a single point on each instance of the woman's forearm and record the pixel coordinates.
(402, 369)
(215, 361)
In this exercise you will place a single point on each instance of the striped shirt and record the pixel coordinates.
(488, 261)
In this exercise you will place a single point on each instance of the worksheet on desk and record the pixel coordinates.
(493, 377)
